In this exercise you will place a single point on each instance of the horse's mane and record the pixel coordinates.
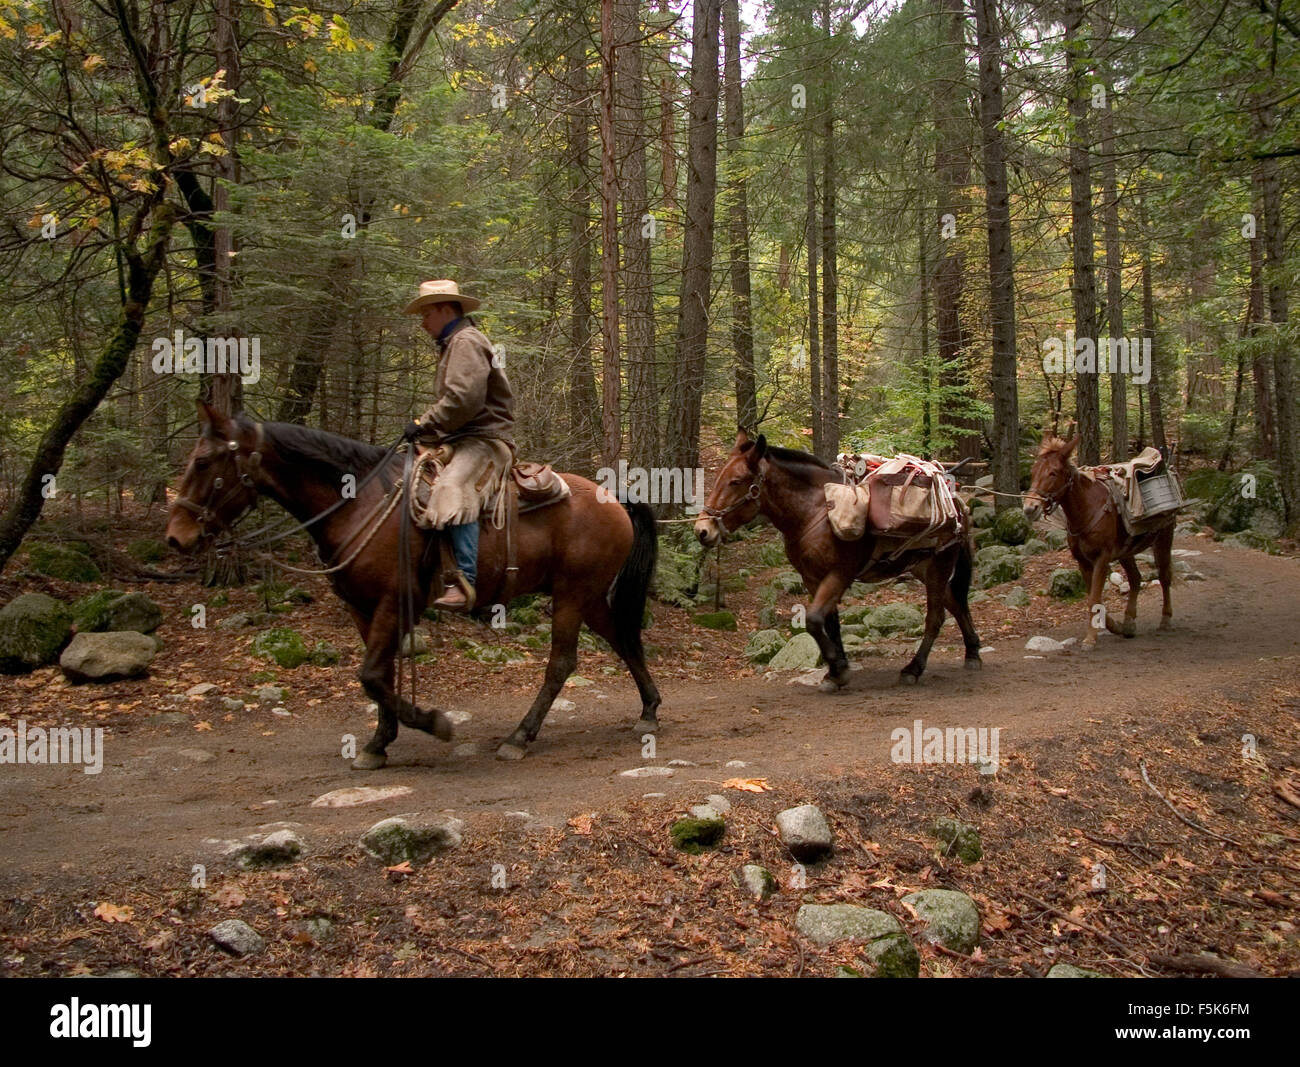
(322, 448)
(789, 457)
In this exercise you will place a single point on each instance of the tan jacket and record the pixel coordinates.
(474, 398)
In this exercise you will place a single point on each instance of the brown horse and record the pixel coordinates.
(594, 556)
(1096, 535)
(786, 486)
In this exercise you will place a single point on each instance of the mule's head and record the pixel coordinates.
(217, 487)
(734, 500)
(1050, 476)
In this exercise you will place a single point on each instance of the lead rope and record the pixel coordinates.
(405, 583)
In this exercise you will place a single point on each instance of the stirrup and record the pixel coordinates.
(449, 602)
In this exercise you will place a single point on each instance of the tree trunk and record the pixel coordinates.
(638, 282)
(1002, 297)
(1119, 443)
(813, 237)
(830, 277)
(742, 327)
(952, 169)
(1083, 281)
(611, 441)
(1265, 444)
(582, 380)
(697, 244)
(1149, 335)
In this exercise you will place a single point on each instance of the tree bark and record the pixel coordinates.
(1083, 279)
(697, 244)
(611, 440)
(1002, 297)
(583, 434)
(813, 238)
(830, 263)
(638, 282)
(742, 327)
(1119, 443)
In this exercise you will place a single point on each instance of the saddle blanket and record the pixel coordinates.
(1144, 488)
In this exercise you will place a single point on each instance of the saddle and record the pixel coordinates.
(536, 485)
(906, 503)
(1143, 489)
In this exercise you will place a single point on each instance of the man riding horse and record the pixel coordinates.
(471, 419)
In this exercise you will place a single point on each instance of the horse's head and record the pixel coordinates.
(218, 485)
(734, 500)
(1050, 477)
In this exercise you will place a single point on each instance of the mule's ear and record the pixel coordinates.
(742, 439)
(212, 423)
(1071, 445)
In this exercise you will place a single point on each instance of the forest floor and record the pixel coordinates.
(98, 869)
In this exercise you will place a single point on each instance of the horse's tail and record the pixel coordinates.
(964, 570)
(627, 596)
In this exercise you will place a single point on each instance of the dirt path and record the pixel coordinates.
(166, 794)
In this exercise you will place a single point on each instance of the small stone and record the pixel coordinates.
(1043, 644)
(169, 718)
(274, 850)
(887, 944)
(231, 704)
(805, 832)
(735, 764)
(949, 918)
(237, 937)
(1069, 970)
(393, 841)
(682, 763)
(282, 712)
(577, 681)
(318, 929)
(459, 718)
(269, 694)
(757, 881)
(469, 748)
(198, 755)
(1017, 598)
(559, 704)
(801, 653)
(647, 772)
(203, 690)
(102, 657)
(361, 794)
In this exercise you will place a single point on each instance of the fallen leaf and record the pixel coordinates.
(201, 726)
(112, 913)
(582, 824)
(747, 785)
(229, 896)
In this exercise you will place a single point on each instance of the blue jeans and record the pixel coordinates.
(464, 546)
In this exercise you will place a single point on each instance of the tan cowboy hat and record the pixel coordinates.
(437, 292)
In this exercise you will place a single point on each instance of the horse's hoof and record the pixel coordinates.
(369, 761)
(443, 729)
(1166, 626)
(646, 726)
(507, 751)
(831, 685)
(1129, 629)
(904, 678)
(975, 664)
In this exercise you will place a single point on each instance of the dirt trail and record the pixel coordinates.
(164, 791)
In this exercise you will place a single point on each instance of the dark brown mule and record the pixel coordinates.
(593, 555)
(786, 486)
(1096, 535)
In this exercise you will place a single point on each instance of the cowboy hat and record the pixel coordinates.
(436, 292)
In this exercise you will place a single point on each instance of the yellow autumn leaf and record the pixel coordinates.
(747, 785)
(112, 913)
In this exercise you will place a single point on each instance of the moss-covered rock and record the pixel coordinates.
(763, 645)
(693, 836)
(1011, 527)
(903, 619)
(948, 918)
(788, 582)
(114, 611)
(323, 654)
(1034, 547)
(33, 630)
(958, 839)
(716, 620)
(800, 653)
(1055, 537)
(1066, 583)
(997, 571)
(525, 610)
(62, 562)
(147, 550)
(393, 841)
(884, 941)
(1247, 500)
(283, 646)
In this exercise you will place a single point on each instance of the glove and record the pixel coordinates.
(413, 430)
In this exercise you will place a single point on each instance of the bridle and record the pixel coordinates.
(1052, 501)
(754, 491)
(207, 512)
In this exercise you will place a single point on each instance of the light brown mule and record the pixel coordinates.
(1096, 535)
